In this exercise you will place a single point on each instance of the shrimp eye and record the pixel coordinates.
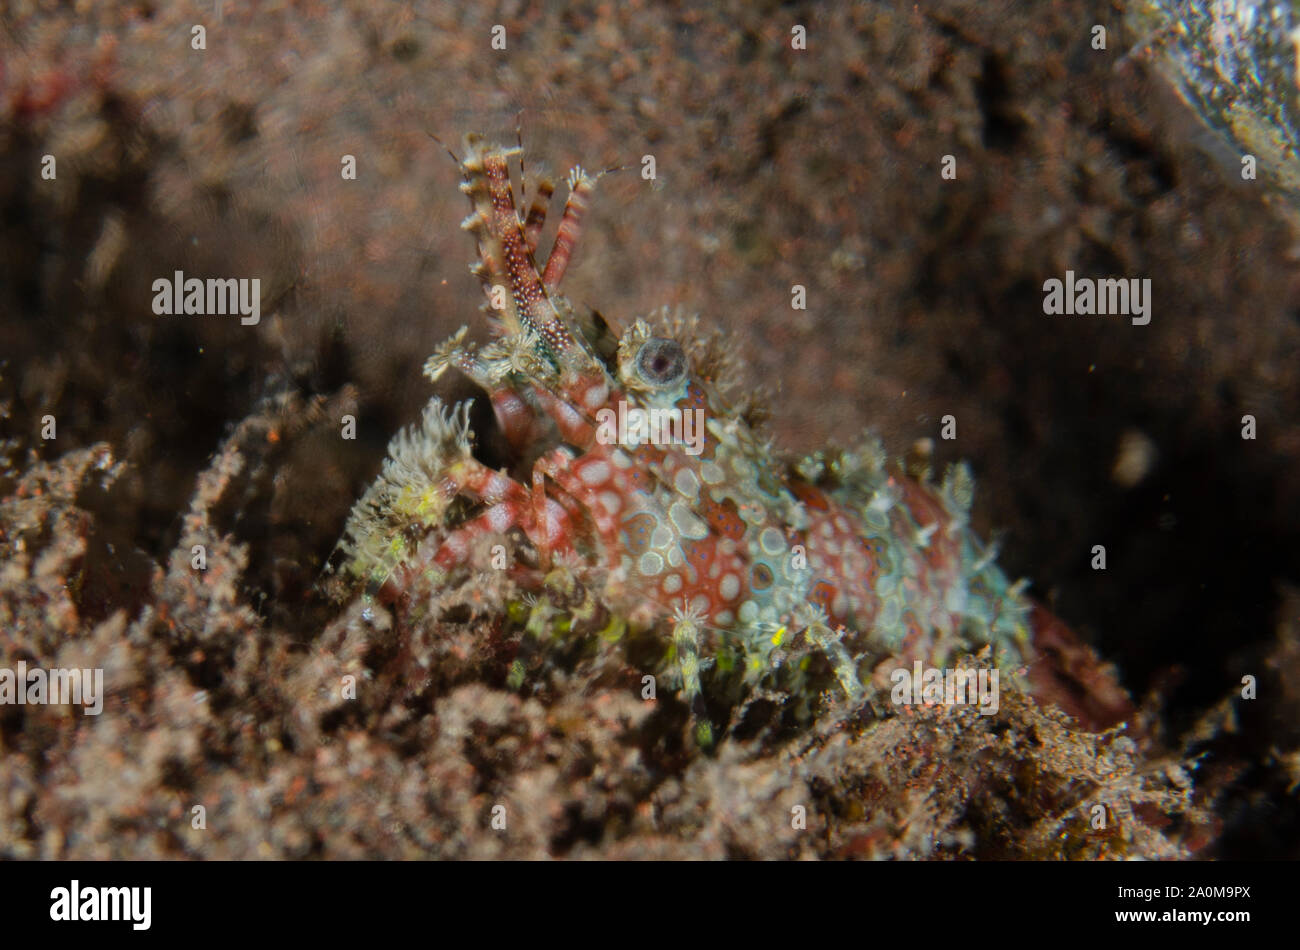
(660, 361)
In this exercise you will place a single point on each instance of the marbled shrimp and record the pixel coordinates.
(735, 556)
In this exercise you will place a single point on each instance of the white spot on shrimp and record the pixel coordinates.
(771, 541)
(661, 537)
(686, 483)
(595, 473)
(498, 517)
(729, 587)
(497, 487)
(556, 519)
(712, 473)
(672, 583)
(688, 526)
(570, 415)
(650, 564)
